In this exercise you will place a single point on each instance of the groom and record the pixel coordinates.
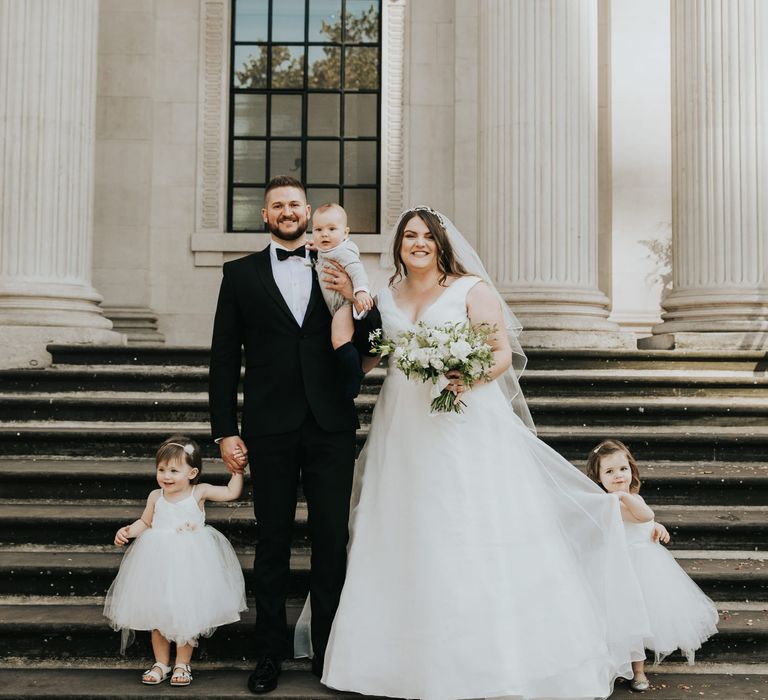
(296, 425)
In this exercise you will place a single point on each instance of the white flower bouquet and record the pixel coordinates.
(428, 352)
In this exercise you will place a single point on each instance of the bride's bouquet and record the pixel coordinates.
(428, 352)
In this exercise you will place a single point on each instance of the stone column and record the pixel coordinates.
(538, 224)
(719, 296)
(47, 110)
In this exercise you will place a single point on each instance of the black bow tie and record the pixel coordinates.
(283, 254)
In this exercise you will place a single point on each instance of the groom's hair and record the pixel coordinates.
(283, 181)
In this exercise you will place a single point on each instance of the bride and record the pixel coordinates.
(481, 563)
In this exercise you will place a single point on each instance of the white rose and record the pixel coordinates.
(461, 350)
(421, 357)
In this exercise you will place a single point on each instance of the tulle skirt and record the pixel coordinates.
(183, 584)
(481, 563)
(680, 614)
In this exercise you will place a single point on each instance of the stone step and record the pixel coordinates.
(693, 442)
(537, 358)
(650, 410)
(120, 406)
(95, 522)
(559, 358)
(643, 382)
(88, 570)
(103, 438)
(129, 355)
(73, 630)
(578, 381)
(140, 439)
(139, 378)
(664, 482)
(228, 684)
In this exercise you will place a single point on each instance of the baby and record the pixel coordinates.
(330, 237)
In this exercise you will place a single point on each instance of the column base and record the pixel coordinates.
(578, 340)
(24, 347)
(738, 340)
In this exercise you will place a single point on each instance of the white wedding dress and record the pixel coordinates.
(481, 563)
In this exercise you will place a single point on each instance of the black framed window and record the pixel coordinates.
(305, 101)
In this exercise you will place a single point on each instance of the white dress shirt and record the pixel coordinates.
(293, 277)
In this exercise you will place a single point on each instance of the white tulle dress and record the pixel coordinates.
(680, 614)
(481, 563)
(180, 576)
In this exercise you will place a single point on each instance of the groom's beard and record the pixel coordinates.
(301, 229)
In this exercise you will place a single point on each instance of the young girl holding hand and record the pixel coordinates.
(181, 578)
(681, 616)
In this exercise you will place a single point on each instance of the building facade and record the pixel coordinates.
(606, 157)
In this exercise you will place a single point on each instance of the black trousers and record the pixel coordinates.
(324, 462)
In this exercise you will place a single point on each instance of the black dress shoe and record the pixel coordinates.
(264, 676)
(317, 667)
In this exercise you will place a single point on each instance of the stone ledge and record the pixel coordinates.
(728, 341)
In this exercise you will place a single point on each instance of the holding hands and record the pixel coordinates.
(234, 453)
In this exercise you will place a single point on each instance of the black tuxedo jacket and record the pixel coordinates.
(289, 369)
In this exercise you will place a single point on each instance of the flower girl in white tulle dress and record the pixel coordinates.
(681, 615)
(181, 578)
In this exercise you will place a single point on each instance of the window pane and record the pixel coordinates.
(360, 163)
(250, 69)
(325, 20)
(249, 163)
(324, 66)
(360, 206)
(361, 115)
(323, 115)
(251, 20)
(287, 67)
(322, 195)
(246, 209)
(361, 69)
(322, 161)
(286, 115)
(288, 20)
(250, 115)
(286, 159)
(362, 21)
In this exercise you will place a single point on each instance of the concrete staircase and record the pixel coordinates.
(76, 446)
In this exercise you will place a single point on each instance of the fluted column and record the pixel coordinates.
(47, 133)
(719, 294)
(538, 168)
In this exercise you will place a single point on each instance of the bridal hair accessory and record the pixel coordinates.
(189, 449)
(422, 207)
